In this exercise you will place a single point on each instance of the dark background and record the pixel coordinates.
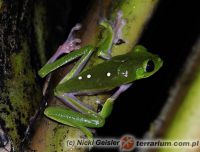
(171, 32)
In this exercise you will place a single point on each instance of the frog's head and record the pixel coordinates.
(147, 63)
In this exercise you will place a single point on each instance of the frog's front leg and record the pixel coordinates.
(105, 44)
(110, 35)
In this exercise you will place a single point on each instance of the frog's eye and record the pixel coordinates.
(150, 66)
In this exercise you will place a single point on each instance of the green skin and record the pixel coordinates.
(120, 71)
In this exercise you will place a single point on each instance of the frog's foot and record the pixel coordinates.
(108, 105)
(69, 45)
(119, 24)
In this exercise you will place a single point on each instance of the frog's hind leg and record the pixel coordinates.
(105, 44)
(67, 117)
(83, 114)
(108, 105)
(75, 103)
(69, 45)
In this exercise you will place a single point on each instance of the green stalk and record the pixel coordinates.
(185, 122)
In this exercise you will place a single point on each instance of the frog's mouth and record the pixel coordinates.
(159, 64)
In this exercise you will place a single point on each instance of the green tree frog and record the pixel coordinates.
(115, 72)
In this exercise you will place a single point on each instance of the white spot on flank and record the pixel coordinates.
(98, 102)
(125, 74)
(80, 77)
(89, 76)
(108, 74)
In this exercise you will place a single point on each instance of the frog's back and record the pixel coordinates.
(102, 77)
